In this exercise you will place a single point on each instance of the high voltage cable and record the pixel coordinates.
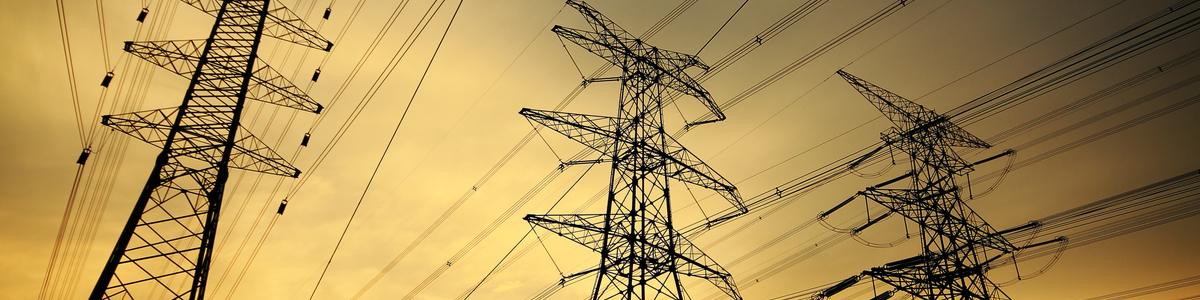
(1095, 97)
(80, 237)
(374, 44)
(391, 139)
(714, 35)
(1109, 51)
(807, 58)
(804, 95)
(103, 35)
(428, 231)
(391, 66)
(533, 230)
(406, 45)
(1151, 289)
(65, 39)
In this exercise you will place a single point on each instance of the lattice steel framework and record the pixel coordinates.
(167, 244)
(957, 244)
(642, 255)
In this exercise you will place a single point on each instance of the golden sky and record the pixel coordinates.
(464, 119)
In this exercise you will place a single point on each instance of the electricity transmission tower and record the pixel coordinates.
(642, 255)
(957, 244)
(167, 243)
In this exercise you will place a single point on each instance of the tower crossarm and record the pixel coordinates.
(182, 56)
(285, 25)
(207, 6)
(179, 57)
(249, 153)
(912, 119)
(599, 133)
(281, 23)
(927, 208)
(588, 230)
(272, 87)
(668, 65)
(938, 276)
(617, 46)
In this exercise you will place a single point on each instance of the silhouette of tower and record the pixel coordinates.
(957, 245)
(642, 255)
(167, 243)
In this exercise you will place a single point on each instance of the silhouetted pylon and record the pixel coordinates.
(957, 245)
(166, 245)
(642, 255)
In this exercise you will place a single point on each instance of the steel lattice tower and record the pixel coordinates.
(642, 255)
(957, 244)
(167, 243)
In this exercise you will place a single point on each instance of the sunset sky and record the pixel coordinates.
(500, 56)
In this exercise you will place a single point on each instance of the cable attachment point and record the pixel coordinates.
(107, 79)
(282, 206)
(83, 156)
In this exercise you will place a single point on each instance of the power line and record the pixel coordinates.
(714, 35)
(391, 139)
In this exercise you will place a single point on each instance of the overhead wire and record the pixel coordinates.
(74, 241)
(1150, 289)
(500, 264)
(458, 204)
(407, 44)
(812, 55)
(372, 90)
(714, 35)
(370, 50)
(73, 89)
(395, 131)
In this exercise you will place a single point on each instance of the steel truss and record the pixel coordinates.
(642, 255)
(167, 244)
(957, 245)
